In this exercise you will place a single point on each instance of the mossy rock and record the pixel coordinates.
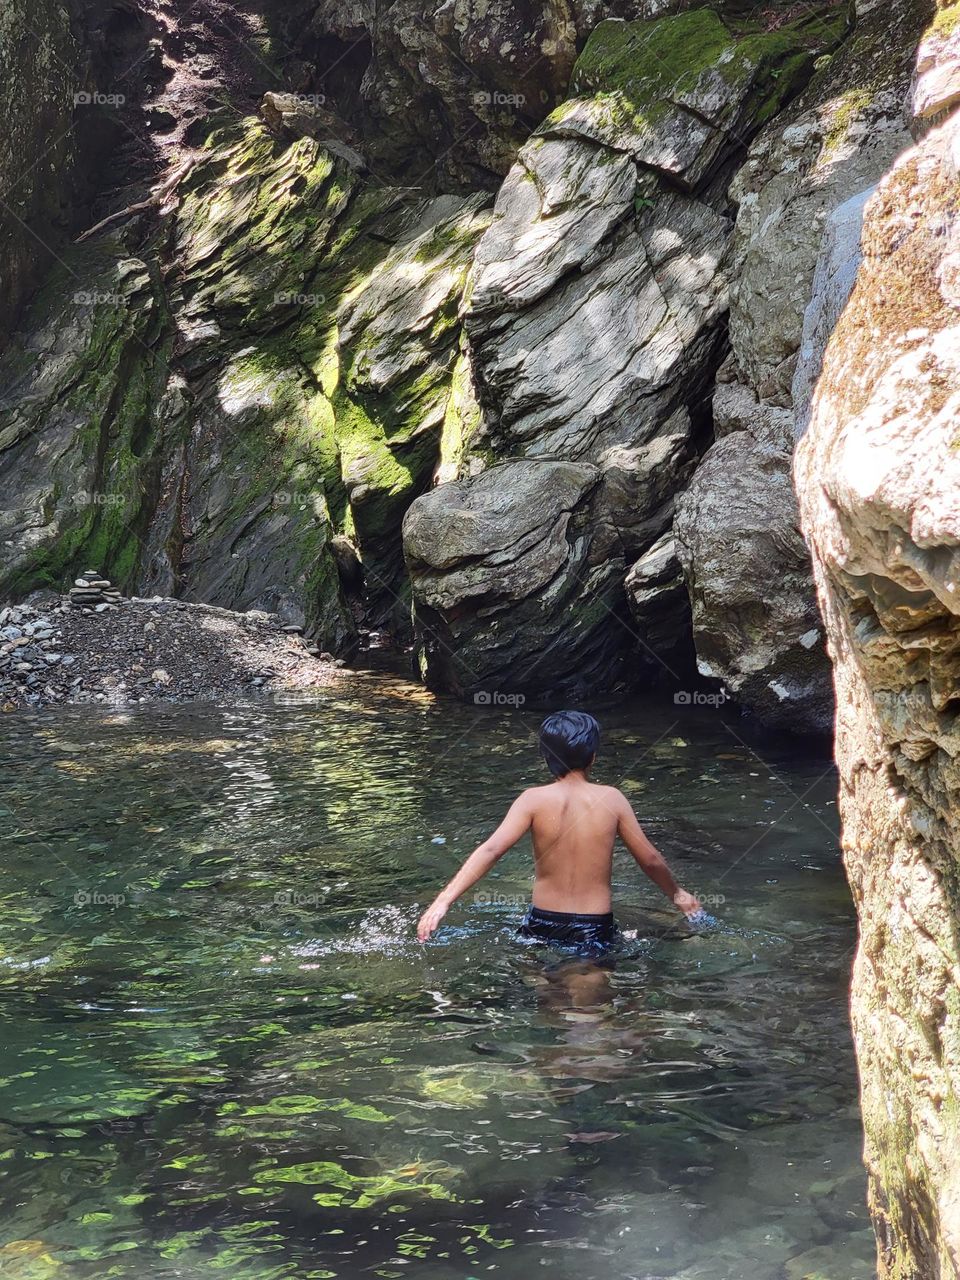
(685, 92)
(81, 436)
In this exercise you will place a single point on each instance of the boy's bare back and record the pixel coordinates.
(574, 825)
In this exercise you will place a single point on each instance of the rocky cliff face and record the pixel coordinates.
(878, 478)
(202, 404)
(39, 75)
(756, 624)
(304, 325)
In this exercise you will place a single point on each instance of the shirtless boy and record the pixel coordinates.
(574, 823)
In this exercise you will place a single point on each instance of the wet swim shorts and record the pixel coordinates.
(588, 935)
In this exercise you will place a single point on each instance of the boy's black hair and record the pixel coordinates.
(568, 740)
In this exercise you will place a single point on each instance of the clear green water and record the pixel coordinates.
(224, 1055)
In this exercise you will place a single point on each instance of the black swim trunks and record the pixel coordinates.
(587, 935)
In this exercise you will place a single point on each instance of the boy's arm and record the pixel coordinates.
(650, 860)
(515, 824)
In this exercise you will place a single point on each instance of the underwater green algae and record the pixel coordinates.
(225, 1055)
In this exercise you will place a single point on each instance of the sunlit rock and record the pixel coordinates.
(594, 320)
(878, 475)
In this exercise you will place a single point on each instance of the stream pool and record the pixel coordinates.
(225, 1055)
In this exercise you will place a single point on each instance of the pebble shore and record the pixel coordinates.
(77, 649)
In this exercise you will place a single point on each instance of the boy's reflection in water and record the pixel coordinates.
(576, 983)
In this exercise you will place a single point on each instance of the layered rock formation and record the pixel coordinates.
(271, 367)
(613, 209)
(446, 94)
(878, 477)
(236, 386)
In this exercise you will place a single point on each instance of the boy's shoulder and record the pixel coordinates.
(532, 794)
(612, 795)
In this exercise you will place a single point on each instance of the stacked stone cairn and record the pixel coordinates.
(93, 593)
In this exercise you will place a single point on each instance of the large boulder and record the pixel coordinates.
(510, 600)
(756, 625)
(595, 314)
(878, 474)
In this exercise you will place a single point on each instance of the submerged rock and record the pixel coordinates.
(878, 475)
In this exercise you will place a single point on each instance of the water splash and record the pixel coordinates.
(386, 930)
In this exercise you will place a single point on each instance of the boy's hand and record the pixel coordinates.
(431, 918)
(687, 903)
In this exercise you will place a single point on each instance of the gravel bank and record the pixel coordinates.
(148, 650)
